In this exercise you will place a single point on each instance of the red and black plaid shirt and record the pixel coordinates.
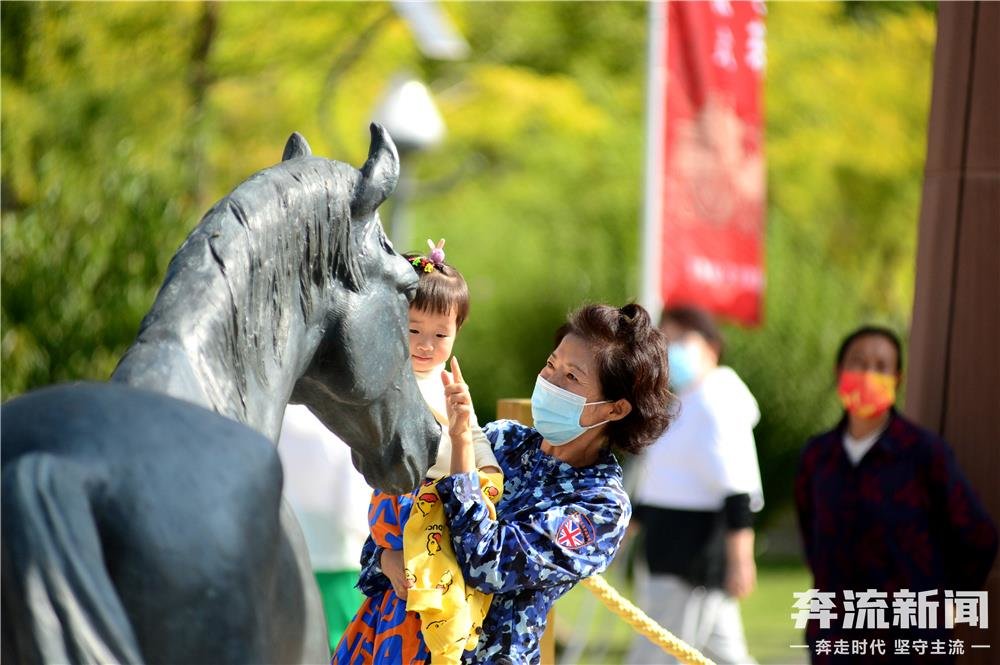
(904, 518)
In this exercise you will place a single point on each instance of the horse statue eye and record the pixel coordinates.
(386, 243)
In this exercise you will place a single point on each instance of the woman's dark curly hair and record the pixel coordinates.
(631, 357)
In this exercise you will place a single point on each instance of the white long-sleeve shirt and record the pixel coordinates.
(708, 452)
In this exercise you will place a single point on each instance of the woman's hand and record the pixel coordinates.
(393, 568)
(459, 404)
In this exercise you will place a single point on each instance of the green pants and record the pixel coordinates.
(340, 601)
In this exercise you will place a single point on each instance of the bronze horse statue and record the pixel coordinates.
(142, 518)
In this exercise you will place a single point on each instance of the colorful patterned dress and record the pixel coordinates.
(556, 524)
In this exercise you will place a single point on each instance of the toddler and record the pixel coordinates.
(410, 531)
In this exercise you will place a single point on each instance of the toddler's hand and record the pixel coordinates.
(392, 565)
(458, 400)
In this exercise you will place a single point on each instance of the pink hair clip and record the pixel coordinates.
(433, 261)
(437, 251)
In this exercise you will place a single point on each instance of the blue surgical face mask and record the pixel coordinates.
(557, 412)
(684, 366)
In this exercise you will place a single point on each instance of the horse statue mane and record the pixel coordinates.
(142, 518)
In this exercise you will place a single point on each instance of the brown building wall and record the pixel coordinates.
(953, 384)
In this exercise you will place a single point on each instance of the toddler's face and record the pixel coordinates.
(432, 337)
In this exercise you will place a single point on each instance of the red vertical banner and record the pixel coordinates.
(713, 181)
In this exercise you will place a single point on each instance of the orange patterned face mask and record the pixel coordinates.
(866, 394)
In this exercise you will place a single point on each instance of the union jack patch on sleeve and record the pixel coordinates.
(575, 531)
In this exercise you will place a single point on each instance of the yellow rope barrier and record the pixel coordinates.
(642, 623)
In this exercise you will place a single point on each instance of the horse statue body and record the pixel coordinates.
(142, 518)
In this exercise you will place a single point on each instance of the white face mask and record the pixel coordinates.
(557, 412)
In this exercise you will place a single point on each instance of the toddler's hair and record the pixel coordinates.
(440, 290)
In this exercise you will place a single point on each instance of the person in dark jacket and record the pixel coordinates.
(893, 532)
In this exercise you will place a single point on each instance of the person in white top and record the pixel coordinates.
(329, 498)
(697, 490)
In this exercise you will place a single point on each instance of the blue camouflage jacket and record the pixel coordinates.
(555, 525)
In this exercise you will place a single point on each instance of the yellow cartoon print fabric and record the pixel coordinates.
(451, 613)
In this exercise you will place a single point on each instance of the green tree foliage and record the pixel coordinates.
(123, 122)
(95, 197)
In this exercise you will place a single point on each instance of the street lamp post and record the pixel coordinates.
(409, 114)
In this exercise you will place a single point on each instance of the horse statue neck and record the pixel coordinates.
(237, 319)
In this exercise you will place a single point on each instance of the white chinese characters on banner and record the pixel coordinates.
(756, 48)
(722, 7)
(708, 194)
(722, 52)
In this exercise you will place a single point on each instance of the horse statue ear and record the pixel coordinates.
(296, 147)
(379, 175)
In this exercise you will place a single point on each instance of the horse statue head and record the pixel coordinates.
(289, 290)
(143, 518)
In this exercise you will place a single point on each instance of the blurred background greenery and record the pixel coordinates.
(123, 122)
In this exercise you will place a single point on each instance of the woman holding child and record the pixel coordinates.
(563, 510)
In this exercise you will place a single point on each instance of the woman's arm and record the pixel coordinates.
(372, 581)
(563, 542)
